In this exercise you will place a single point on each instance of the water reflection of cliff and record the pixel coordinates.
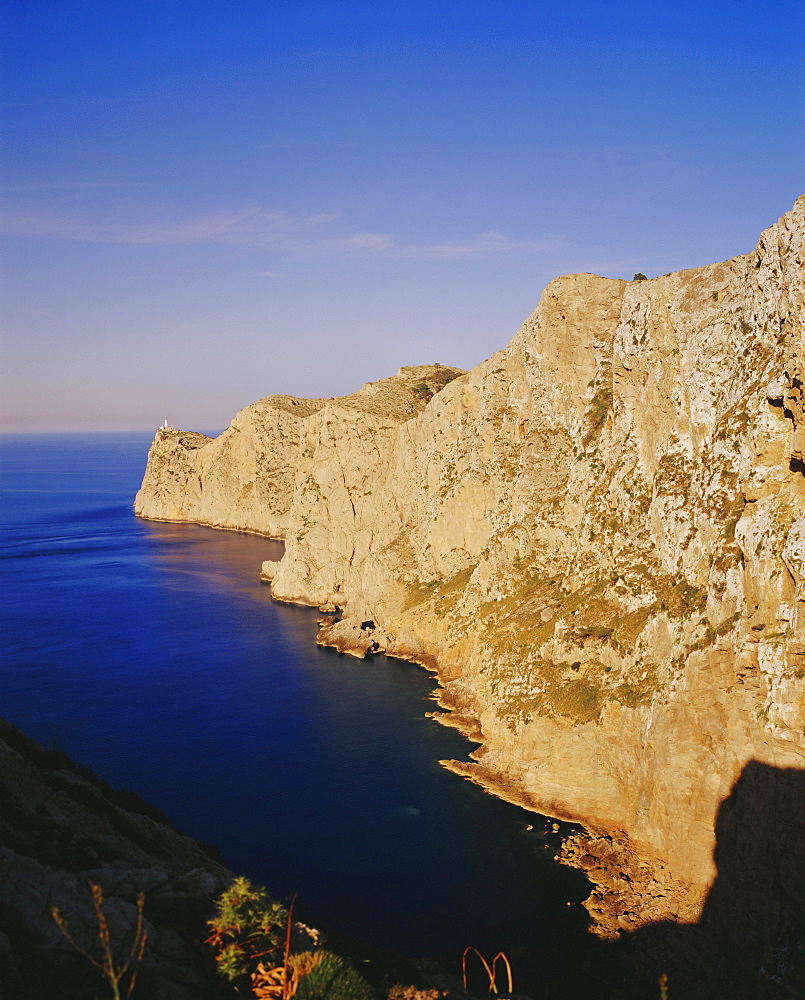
(227, 560)
(749, 943)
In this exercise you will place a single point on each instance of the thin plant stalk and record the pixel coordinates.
(500, 954)
(483, 962)
(286, 990)
(491, 971)
(107, 965)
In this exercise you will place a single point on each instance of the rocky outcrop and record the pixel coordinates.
(597, 538)
(353, 637)
(61, 828)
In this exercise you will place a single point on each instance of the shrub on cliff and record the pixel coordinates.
(333, 978)
(251, 936)
(248, 927)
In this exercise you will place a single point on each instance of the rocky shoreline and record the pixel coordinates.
(632, 886)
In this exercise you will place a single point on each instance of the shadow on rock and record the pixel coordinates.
(749, 943)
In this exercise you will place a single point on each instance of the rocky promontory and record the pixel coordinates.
(245, 479)
(596, 538)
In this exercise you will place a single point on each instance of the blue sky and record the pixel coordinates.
(206, 202)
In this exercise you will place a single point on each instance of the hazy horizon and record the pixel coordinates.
(206, 204)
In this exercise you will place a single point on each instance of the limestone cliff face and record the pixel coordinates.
(245, 478)
(597, 537)
(242, 479)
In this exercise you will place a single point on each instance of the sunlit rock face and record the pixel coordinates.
(597, 537)
(245, 479)
(242, 479)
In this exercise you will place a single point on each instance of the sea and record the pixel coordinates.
(152, 653)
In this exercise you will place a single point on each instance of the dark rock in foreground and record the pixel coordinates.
(62, 827)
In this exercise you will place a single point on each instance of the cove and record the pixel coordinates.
(152, 653)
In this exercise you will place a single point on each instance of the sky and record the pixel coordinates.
(207, 202)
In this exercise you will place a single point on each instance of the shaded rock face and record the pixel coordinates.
(597, 538)
(749, 942)
(60, 829)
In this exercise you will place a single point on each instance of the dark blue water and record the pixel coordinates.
(152, 653)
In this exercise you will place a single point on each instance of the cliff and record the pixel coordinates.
(596, 537)
(245, 478)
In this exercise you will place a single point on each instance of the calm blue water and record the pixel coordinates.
(152, 653)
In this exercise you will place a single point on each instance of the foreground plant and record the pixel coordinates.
(330, 977)
(491, 970)
(400, 992)
(113, 970)
(248, 930)
(251, 935)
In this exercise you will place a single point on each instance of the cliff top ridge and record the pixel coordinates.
(398, 397)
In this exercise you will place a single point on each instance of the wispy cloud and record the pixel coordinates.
(247, 226)
(386, 245)
(372, 242)
(480, 246)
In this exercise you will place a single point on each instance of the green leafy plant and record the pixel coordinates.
(600, 405)
(332, 978)
(249, 927)
(116, 971)
(251, 935)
